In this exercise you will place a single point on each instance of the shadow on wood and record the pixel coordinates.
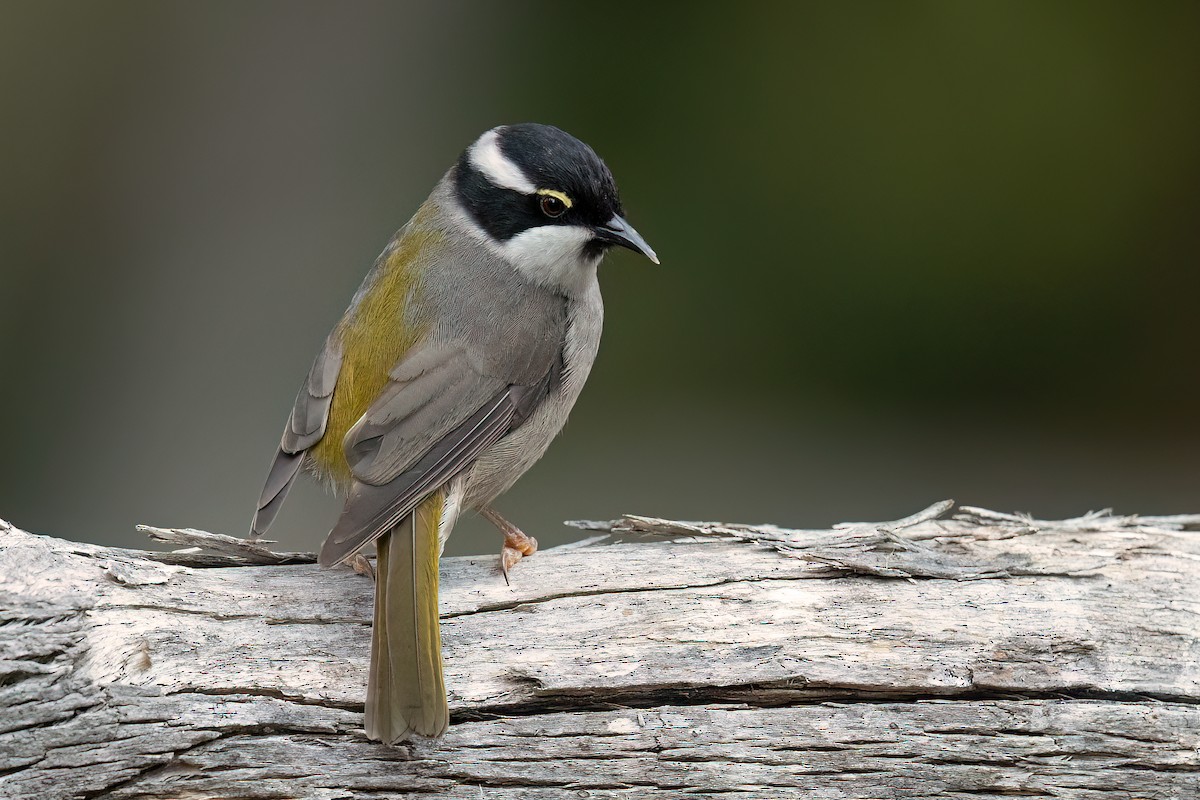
(984, 656)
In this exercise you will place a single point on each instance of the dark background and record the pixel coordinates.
(910, 251)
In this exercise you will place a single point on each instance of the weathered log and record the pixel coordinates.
(984, 657)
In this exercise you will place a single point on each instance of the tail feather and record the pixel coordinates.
(405, 688)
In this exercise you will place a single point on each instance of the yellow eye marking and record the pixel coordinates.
(566, 201)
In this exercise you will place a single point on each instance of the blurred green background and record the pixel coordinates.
(910, 251)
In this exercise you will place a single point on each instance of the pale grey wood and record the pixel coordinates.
(983, 656)
(231, 549)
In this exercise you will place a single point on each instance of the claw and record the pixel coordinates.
(509, 557)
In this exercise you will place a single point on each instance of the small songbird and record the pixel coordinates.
(454, 367)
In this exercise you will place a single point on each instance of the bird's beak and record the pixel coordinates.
(618, 231)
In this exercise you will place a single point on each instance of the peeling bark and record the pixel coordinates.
(985, 656)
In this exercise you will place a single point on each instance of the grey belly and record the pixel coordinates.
(499, 468)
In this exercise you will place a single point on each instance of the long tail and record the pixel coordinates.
(405, 688)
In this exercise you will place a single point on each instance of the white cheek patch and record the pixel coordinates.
(552, 255)
(486, 157)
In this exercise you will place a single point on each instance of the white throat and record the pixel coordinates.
(553, 256)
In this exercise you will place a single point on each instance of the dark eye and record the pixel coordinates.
(552, 206)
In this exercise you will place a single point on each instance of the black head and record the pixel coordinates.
(515, 178)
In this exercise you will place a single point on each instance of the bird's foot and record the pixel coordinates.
(517, 544)
(359, 563)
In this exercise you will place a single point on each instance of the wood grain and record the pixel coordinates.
(980, 657)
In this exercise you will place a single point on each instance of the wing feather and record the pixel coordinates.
(423, 403)
(305, 427)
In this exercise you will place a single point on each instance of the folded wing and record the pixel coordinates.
(437, 415)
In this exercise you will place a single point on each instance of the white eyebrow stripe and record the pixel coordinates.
(486, 157)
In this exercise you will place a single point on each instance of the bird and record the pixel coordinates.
(447, 377)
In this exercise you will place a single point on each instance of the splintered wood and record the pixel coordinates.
(983, 656)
